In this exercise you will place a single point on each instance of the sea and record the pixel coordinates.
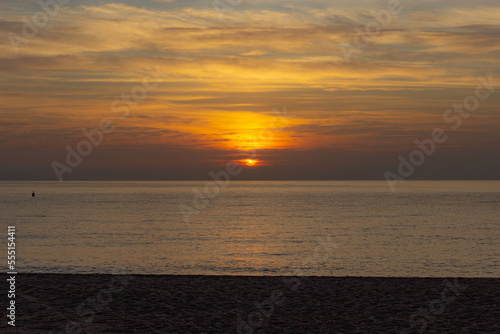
(320, 228)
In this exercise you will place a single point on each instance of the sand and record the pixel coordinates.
(58, 303)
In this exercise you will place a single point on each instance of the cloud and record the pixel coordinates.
(261, 55)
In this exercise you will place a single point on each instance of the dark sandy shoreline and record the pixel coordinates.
(60, 303)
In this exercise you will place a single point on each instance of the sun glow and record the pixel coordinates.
(244, 130)
(250, 162)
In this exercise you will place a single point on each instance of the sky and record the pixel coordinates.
(299, 90)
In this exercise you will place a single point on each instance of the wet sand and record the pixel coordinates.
(58, 303)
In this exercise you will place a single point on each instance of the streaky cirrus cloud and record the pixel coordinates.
(225, 75)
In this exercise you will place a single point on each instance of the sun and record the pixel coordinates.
(250, 162)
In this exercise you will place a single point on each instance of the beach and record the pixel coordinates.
(96, 303)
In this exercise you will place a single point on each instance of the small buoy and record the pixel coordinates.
(33, 194)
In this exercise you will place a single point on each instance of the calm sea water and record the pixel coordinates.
(256, 228)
